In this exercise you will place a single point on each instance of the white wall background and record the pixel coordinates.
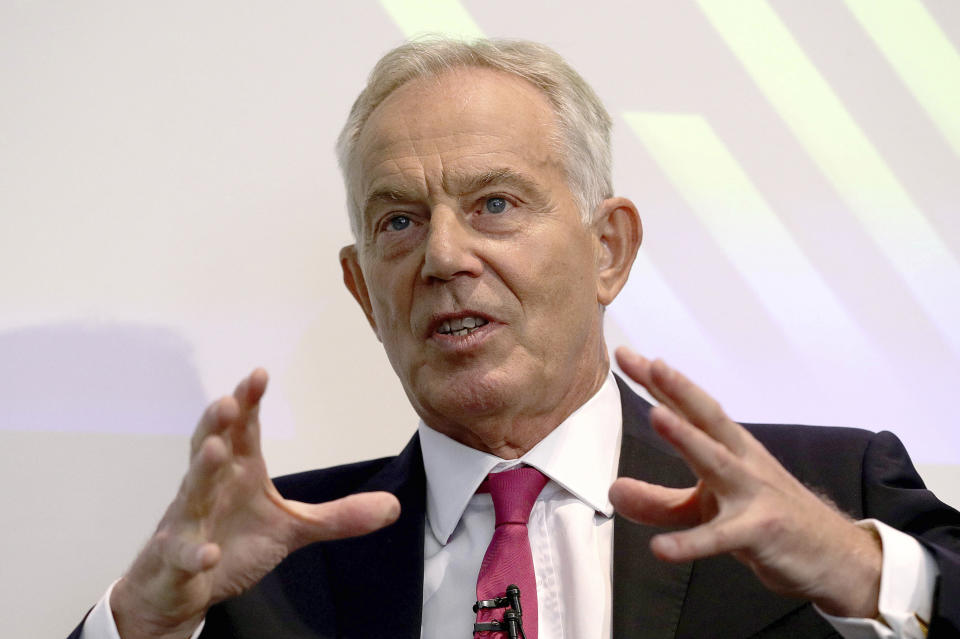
(171, 211)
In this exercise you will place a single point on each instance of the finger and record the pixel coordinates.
(347, 517)
(674, 390)
(248, 393)
(640, 370)
(696, 543)
(250, 390)
(710, 460)
(203, 477)
(655, 505)
(217, 417)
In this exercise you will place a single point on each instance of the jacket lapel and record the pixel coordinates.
(648, 594)
(378, 590)
(718, 596)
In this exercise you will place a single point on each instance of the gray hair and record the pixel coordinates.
(583, 123)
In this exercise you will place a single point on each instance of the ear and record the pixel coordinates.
(353, 278)
(619, 232)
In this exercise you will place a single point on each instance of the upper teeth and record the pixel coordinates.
(461, 325)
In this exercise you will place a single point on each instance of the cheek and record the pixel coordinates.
(561, 291)
(568, 269)
(389, 299)
(388, 311)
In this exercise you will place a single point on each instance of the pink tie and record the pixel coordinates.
(508, 559)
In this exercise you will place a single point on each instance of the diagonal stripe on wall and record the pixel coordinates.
(712, 182)
(920, 53)
(829, 134)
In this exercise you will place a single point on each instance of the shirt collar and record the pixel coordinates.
(581, 455)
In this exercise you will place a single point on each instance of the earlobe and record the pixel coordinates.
(356, 284)
(619, 233)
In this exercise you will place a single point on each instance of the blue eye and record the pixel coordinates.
(495, 205)
(398, 222)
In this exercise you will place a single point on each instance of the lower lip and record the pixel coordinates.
(462, 343)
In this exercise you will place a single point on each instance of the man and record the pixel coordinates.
(488, 243)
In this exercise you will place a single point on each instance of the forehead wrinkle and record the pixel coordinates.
(391, 179)
(403, 153)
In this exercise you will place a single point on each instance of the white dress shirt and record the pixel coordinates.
(570, 527)
(571, 537)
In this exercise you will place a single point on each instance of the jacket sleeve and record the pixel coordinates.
(893, 492)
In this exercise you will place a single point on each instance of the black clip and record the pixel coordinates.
(486, 604)
(512, 622)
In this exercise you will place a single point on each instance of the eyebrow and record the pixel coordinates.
(458, 184)
(391, 194)
(471, 183)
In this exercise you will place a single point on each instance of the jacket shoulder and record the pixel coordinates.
(792, 443)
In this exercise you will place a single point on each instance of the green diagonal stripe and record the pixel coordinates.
(920, 54)
(821, 123)
(746, 229)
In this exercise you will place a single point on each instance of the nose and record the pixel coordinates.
(450, 248)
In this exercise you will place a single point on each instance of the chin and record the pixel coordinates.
(460, 397)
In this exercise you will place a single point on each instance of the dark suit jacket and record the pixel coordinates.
(371, 586)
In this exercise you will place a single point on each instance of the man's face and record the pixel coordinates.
(473, 265)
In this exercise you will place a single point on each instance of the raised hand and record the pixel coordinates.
(746, 504)
(228, 526)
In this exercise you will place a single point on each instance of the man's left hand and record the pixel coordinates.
(746, 504)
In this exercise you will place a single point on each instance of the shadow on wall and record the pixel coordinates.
(108, 378)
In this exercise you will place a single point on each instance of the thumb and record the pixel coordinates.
(654, 505)
(346, 517)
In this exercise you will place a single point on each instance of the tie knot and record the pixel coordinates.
(513, 493)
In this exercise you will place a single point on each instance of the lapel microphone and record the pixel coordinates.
(512, 622)
(513, 598)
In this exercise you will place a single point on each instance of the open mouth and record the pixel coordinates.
(461, 326)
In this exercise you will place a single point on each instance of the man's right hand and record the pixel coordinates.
(228, 526)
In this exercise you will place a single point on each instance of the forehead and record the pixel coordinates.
(462, 121)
